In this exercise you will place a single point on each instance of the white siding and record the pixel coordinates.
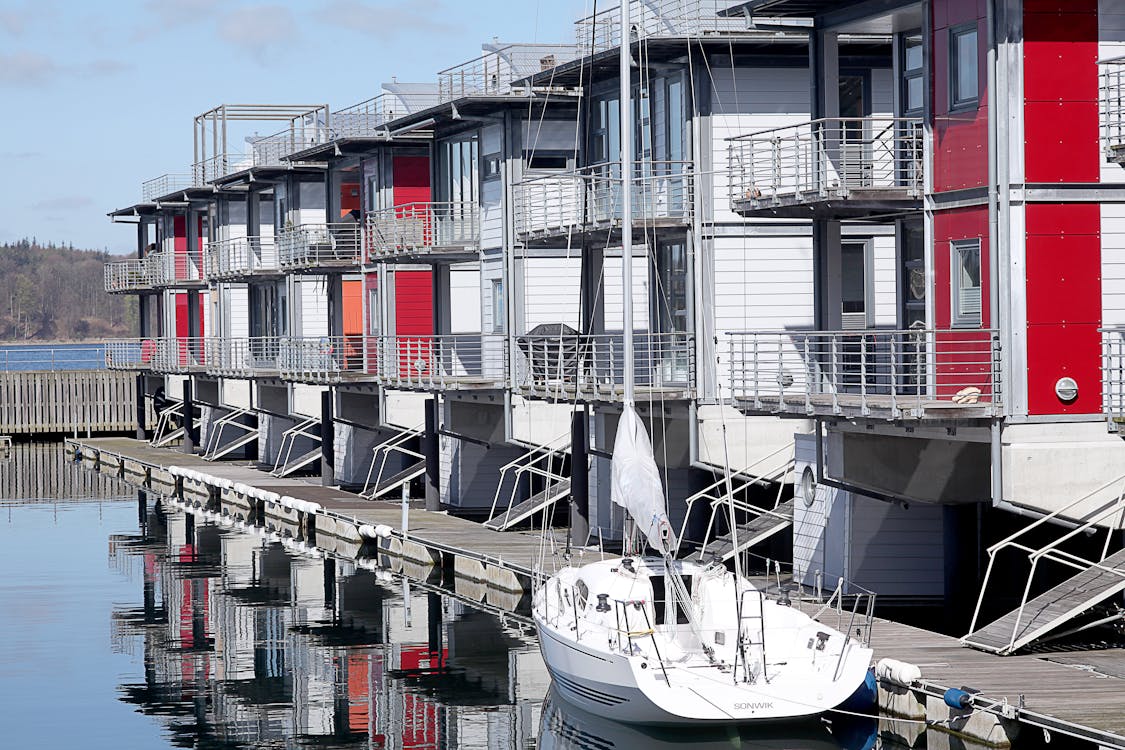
(491, 269)
(747, 100)
(1111, 44)
(313, 295)
(492, 215)
(237, 322)
(236, 393)
(551, 291)
(306, 400)
(464, 300)
(884, 270)
(612, 294)
(1113, 264)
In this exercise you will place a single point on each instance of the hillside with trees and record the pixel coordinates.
(57, 293)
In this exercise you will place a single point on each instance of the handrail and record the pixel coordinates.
(531, 455)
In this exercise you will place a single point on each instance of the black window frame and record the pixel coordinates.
(956, 101)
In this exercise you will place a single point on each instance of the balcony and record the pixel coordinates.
(1113, 109)
(830, 168)
(165, 184)
(255, 357)
(423, 363)
(369, 118)
(240, 257)
(424, 232)
(571, 366)
(656, 19)
(917, 374)
(174, 355)
(171, 268)
(131, 276)
(492, 73)
(321, 247)
(556, 206)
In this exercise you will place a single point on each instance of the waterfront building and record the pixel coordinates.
(877, 260)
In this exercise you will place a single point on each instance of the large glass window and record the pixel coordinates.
(964, 70)
(913, 81)
(914, 283)
(854, 285)
(457, 170)
(966, 282)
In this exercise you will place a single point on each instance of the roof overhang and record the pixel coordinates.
(826, 14)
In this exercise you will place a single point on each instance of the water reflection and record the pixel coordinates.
(246, 642)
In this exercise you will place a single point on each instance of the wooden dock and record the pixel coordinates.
(1074, 694)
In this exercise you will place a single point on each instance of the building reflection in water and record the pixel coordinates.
(251, 639)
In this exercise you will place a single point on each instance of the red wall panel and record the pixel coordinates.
(181, 315)
(411, 179)
(414, 303)
(1060, 58)
(958, 224)
(960, 137)
(1063, 305)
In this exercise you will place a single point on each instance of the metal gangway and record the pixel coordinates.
(285, 463)
(763, 522)
(379, 456)
(543, 461)
(169, 424)
(1095, 581)
(213, 448)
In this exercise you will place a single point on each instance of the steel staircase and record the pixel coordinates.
(285, 463)
(379, 455)
(1094, 582)
(543, 461)
(763, 522)
(214, 448)
(167, 431)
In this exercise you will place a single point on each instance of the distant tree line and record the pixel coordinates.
(57, 293)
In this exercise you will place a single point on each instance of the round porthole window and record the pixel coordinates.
(808, 487)
(1066, 389)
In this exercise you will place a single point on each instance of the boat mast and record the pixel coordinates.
(626, 121)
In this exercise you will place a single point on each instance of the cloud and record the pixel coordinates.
(386, 20)
(179, 12)
(33, 69)
(259, 30)
(16, 20)
(63, 203)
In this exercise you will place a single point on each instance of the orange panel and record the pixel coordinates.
(353, 307)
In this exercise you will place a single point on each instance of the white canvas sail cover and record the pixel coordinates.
(636, 482)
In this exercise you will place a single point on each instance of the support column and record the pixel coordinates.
(327, 440)
(432, 452)
(140, 393)
(189, 418)
(579, 479)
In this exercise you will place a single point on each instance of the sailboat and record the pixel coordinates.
(652, 639)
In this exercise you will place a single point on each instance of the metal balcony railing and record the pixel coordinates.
(171, 268)
(1113, 376)
(219, 166)
(1112, 84)
(175, 354)
(165, 184)
(237, 257)
(590, 198)
(492, 73)
(910, 374)
(834, 158)
(439, 363)
(243, 357)
(324, 359)
(593, 366)
(132, 275)
(654, 19)
(422, 228)
(311, 246)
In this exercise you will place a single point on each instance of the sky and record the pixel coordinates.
(100, 96)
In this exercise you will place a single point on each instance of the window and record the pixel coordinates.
(498, 317)
(546, 160)
(913, 81)
(373, 313)
(491, 166)
(966, 283)
(963, 66)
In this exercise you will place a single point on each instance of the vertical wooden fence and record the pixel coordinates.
(63, 402)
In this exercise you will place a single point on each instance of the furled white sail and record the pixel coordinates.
(636, 482)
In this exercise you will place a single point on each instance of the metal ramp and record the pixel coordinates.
(214, 448)
(540, 501)
(754, 531)
(285, 463)
(545, 461)
(379, 455)
(167, 431)
(763, 522)
(1095, 582)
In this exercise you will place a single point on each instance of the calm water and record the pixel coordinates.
(128, 623)
(52, 356)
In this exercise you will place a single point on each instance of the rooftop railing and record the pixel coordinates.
(656, 19)
(272, 150)
(166, 184)
(590, 198)
(313, 246)
(895, 374)
(592, 367)
(371, 116)
(237, 257)
(1112, 84)
(492, 73)
(422, 229)
(239, 357)
(835, 158)
(175, 354)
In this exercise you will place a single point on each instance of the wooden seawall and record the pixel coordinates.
(43, 402)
